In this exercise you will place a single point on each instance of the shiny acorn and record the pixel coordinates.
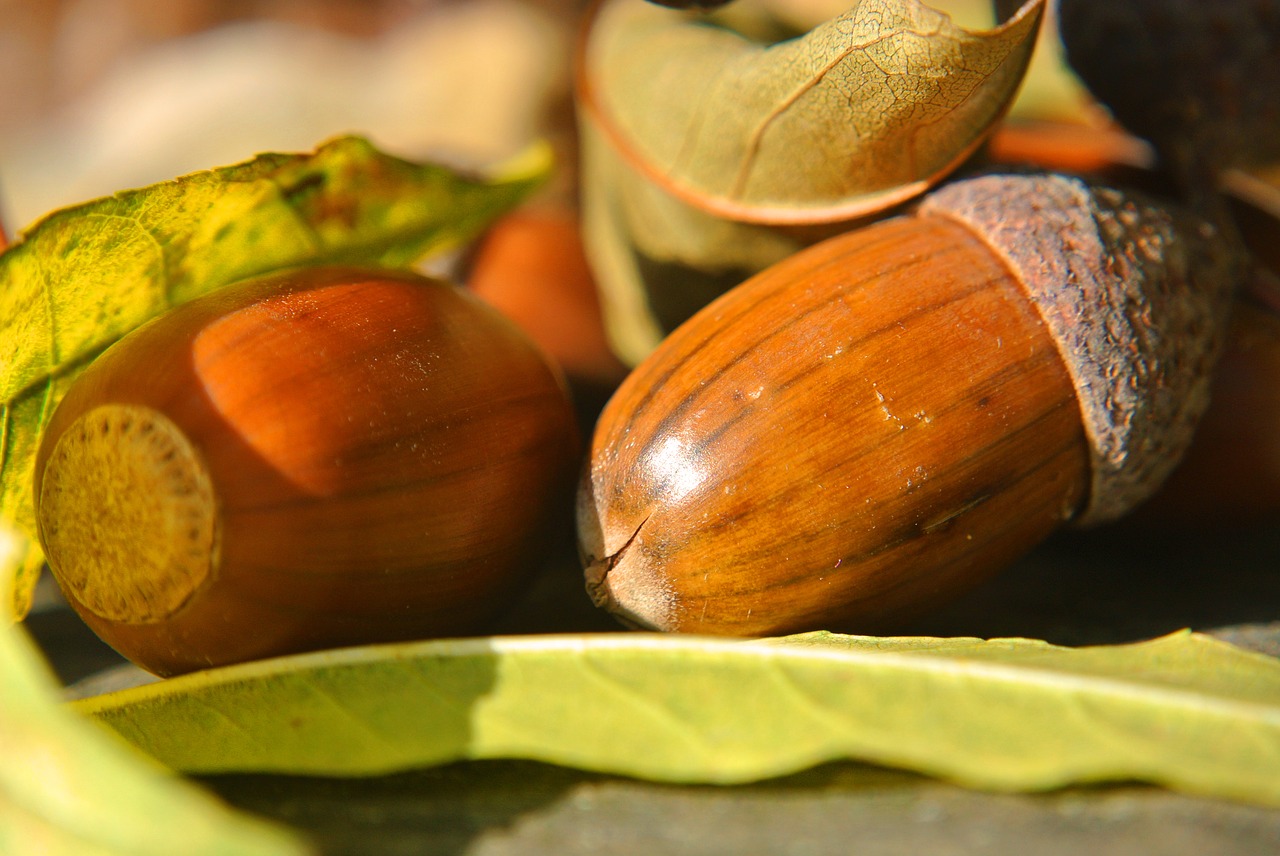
(893, 415)
(317, 458)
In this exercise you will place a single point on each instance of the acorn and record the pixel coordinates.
(317, 458)
(532, 268)
(1199, 80)
(890, 416)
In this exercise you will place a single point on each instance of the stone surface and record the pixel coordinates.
(525, 809)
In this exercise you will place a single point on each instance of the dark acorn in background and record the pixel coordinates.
(1201, 83)
(890, 416)
(318, 458)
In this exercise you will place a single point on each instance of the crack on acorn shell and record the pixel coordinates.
(597, 582)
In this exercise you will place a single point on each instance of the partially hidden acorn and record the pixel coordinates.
(1199, 80)
(889, 417)
(316, 458)
(531, 267)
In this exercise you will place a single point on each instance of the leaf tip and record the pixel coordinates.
(531, 165)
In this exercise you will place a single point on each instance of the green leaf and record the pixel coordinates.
(84, 276)
(70, 787)
(1183, 711)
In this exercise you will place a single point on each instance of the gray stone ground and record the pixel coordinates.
(1105, 587)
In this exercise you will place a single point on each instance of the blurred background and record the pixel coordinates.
(102, 95)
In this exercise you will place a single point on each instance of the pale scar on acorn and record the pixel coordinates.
(888, 417)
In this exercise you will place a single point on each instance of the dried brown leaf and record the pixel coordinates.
(862, 112)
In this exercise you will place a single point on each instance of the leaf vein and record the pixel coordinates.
(246, 732)
(350, 713)
(658, 712)
(756, 140)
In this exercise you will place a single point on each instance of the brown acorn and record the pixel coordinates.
(892, 415)
(318, 458)
(531, 267)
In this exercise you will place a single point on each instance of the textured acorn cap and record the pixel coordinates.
(1135, 296)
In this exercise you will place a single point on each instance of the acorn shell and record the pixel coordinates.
(891, 416)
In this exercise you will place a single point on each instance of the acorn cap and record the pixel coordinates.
(1135, 296)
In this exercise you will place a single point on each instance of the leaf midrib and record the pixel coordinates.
(1146, 691)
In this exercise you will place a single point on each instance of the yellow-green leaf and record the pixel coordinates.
(69, 787)
(862, 112)
(84, 276)
(1184, 711)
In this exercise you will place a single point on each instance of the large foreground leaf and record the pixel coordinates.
(1184, 711)
(70, 787)
(84, 276)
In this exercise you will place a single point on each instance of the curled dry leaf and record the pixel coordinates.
(699, 144)
(862, 112)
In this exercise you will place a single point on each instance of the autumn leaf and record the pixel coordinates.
(84, 276)
(864, 111)
(1183, 711)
